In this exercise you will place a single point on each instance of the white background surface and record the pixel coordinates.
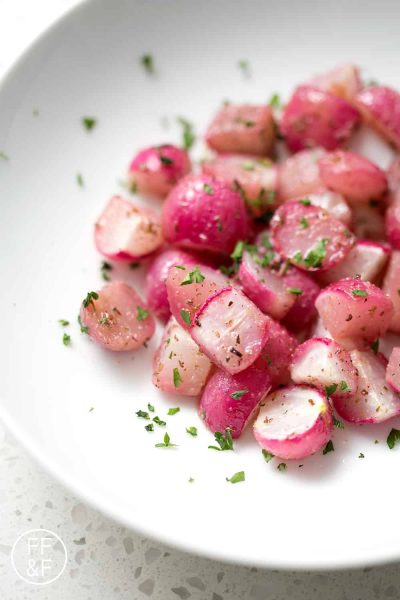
(113, 563)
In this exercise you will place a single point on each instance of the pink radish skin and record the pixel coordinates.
(188, 299)
(392, 223)
(354, 308)
(298, 230)
(277, 352)
(343, 81)
(125, 231)
(154, 171)
(380, 107)
(202, 213)
(230, 330)
(269, 291)
(303, 311)
(115, 321)
(393, 370)
(334, 203)
(391, 287)
(177, 350)
(156, 289)
(353, 176)
(244, 129)
(323, 363)
(220, 411)
(387, 343)
(299, 174)
(374, 402)
(294, 422)
(366, 261)
(393, 175)
(314, 117)
(368, 222)
(256, 179)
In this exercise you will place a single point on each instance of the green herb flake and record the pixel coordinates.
(4, 156)
(177, 377)
(84, 329)
(361, 293)
(331, 389)
(159, 421)
(267, 455)
(208, 189)
(143, 414)
(195, 276)
(91, 409)
(141, 313)
(305, 201)
(104, 270)
(192, 430)
(149, 427)
(89, 123)
(173, 411)
(295, 291)
(237, 395)
(328, 448)
(269, 361)
(275, 101)
(337, 423)
(150, 407)
(361, 455)
(236, 477)
(375, 346)
(244, 67)
(166, 443)
(238, 251)
(134, 265)
(393, 438)
(224, 441)
(248, 165)
(188, 136)
(343, 386)
(63, 322)
(79, 180)
(282, 467)
(165, 160)
(185, 314)
(315, 256)
(190, 480)
(147, 63)
(304, 223)
(66, 339)
(89, 298)
(297, 258)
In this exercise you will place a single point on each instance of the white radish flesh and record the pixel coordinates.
(393, 370)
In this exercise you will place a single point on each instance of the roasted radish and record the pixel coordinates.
(393, 370)
(299, 175)
(343, 81)
(391, 287)
(380, 107)
(276, 353)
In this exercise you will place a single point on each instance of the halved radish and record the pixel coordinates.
(392, 223)
(343, 81)
(230, 330)
(306, 290)
(125, 231)
(179, 366)
(229, 401)
(314, 117)
(374, 401)
(309, 236)
(156, 170)
(366, 261)
(203, 213)
(245, 128)
(299, 174)
(387, 343)
(380, 107)
(334, 203)
(391, 287)
(294, 422)
(255, 178)
(353, 176)
(354, 308)
(319, 330)
(393, 370)
(393, 175)
(277, 352)
(266, 287)
(368, 222)
(324, 364)
(189, 286)
(156, 289)
(116, 317)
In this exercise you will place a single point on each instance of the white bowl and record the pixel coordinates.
(335, 511)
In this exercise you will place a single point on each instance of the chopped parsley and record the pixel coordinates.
(248, 165)
(297, 258)
(185, 314)
(343, 386)
(375, 346)
(337, 423)
(361, 455)
(147, 63)
(305, 201)
(89, 123)
(238, 251)
(159, 421)
(4, 156)
(282, 467)
(192, 430)
(173, 411)
(275, 101)
(84, 329)
(141, 313)
(328, 448)
(190, 480)
(267, 455)
(269, 361)
(315, 256)
(236, 477)
(304, 223)
(104, 269)
(188, 136)
(244, 67)
(393, 438)
(165, 160)
(361, 293)
(224, 441)
(143, 414)
(66, 339)
(331, 389)
(63, 322)
(149, 427)
(195, 276)
(79, 180)
(89, 298)
(150, 407)
(177, 377)
(166, 443)
(237, 395)
(295, 291)
(208, 189)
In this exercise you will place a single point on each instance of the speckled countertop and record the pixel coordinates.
(106, 561)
